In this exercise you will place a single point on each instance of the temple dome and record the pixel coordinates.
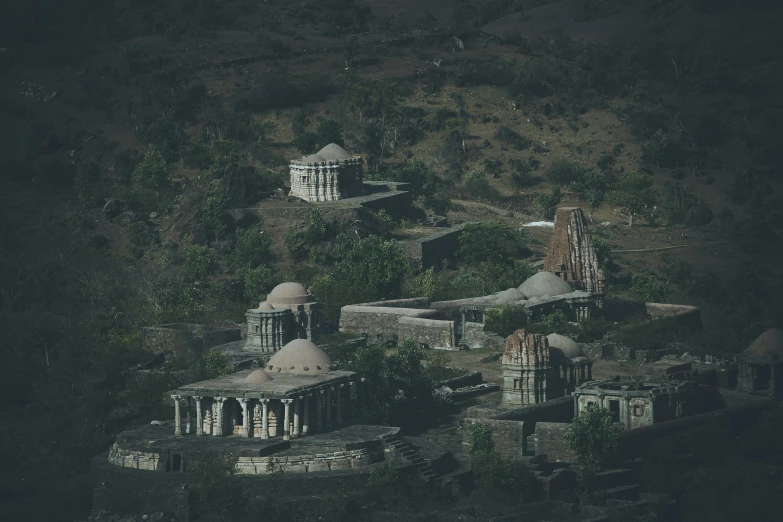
(258, 376)
(544, 284)
(512, 295)
(313, 158)
(264, 306)
(767, 344)
(300, 357)
(289, 294)
(569, 348)
(333, 152)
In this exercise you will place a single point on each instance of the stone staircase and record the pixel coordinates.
(434, 464)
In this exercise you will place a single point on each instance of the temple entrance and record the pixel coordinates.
(234, 417)
(614, 409)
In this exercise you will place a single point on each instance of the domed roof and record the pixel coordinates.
(569, 348)
(313, 158)
(300, 357)
(288, 294)
(333, 152)
(767, 344)
(512, 295)
(258, 376)
(544, 284)
(265, 306)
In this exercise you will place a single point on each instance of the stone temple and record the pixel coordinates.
(330, 174)
(289, 312)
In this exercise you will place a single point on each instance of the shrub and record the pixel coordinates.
(563, 172)
(216, 363)
(633, 191)
(505, 320)
(382, 476)
(255, 281)
(512, 138)
(554, 320)
(153, 171)
(491, 241)
(684, 208)
(215, 211)
(549, 202)
(329, 131)
(305, 142)
(594, 437)
(198, 260)
(295, 241)
(251, 249)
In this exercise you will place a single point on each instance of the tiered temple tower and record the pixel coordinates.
(526, 369)
(571, 254)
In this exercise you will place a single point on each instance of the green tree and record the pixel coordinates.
(219, 490)
(549, 202)
(633, 191)
(505, 320)
(590, 186)
(216, 363)
(198, 261)
(255, 281)
(214, 212)
(329, 131)
(648, 287)
(252, 248)
(491, 241)
(305, 142)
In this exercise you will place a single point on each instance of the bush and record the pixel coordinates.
(305, 142)
(198, 261)
(215, 211)
(512, 138)
(153, 171)
(549, 202)
(255, 281)
(684, 208)
(505, 320)
(648, 287)
(216, 363)
(491, 241)
(252, 248)
(329, 131)
(564, 172)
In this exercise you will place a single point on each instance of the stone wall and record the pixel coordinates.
(435, 333)
(471, 378)
(413, 302)
(477, 336)
(508, 436)
(433, 249)
(550, 441)
(125, 458)
(677, 316)
(396, 203)
(185, 339)
(339, 460)
(555, 410)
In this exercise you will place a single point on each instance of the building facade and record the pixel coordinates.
(330, 174)
(290, 312)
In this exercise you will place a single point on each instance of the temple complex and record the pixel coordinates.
(330, 174)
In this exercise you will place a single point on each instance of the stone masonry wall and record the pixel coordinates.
(550, 441)
(433, 332)
(413, 302)
(433, 249)
(378, 320)
(340, 460)
(124, 458)
(476, 336)
(508, 436)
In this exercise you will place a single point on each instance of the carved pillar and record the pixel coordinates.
(177, 420)
(328, 408)
(305, 414)
(319, 425)
(199, 418)
(265, 418)
(295, 430)
(348, 400)
(217, 428)
(187, 417)
(287, 418)
(245, 419)
(338, 407)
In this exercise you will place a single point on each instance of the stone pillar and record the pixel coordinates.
(245, 418)
(309, 327)
(338, 409)
(348, 400)
(360, 398)
(319, 425)
(295, 430)
(187, 417)
(305, 414)
(287, 418)
(177, 419)
(328, 408)
(199, 418)
(217, 427)
(265, 418)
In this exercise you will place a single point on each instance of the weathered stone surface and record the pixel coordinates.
(571, 254)
(243, 184)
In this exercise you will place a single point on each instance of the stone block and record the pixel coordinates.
(316, 466)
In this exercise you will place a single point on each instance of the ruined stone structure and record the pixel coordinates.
(538, 368)
(571, 254)
(330, 174)
(759, 367)
(637, 403)
(527, 369)
(289, 313)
